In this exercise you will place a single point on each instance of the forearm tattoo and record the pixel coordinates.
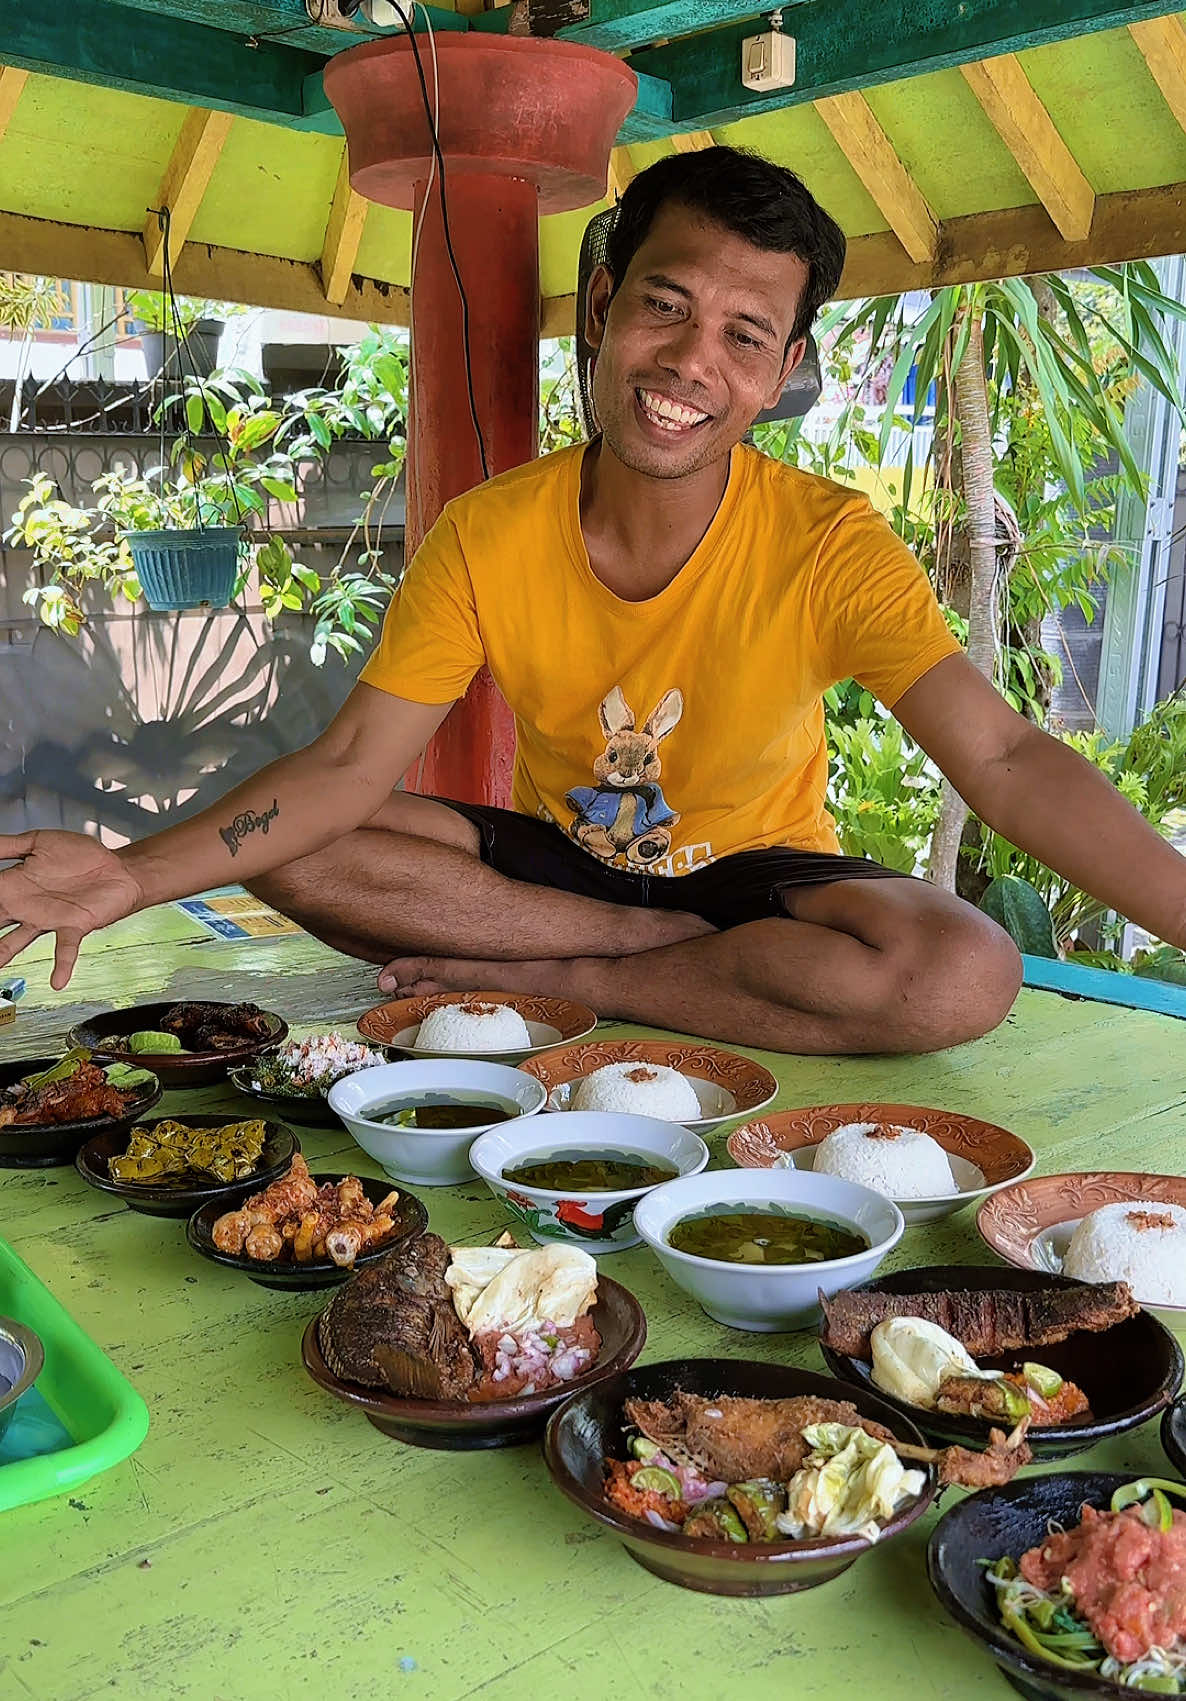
(237, 830)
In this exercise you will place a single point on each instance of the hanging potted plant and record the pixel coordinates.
(199, 323)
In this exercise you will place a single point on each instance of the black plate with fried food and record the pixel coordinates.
(95, 1107)
(1126, 1362)
(214, 1037)
(184, 1195)
(210, 1233)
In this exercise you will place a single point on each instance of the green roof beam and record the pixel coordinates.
(620, 25)
(289, 21)
(147, 53)
(840, 47)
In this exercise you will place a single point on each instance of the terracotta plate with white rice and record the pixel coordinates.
(502, 1026)
(696, 1085)
(1098, 1226)
(931, 1163)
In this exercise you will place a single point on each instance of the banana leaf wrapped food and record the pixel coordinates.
(173, 1151)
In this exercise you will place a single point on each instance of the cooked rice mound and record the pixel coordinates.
(473, 1025)
(902, 1163)
(638, 1089)
(1143, 1244)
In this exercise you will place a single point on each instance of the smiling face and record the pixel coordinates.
(693, 345)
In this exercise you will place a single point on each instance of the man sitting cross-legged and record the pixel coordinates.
(663, 610)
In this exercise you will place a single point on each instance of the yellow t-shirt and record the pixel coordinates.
(667, 733)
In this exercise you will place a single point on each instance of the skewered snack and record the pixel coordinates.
(74, 1090)
(296, 1221)
(174, 1152)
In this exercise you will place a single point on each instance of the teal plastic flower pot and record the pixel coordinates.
(187, 568)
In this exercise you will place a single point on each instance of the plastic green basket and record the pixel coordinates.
(102, 1412)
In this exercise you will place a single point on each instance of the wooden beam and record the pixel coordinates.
(842, 47)
(343, 233)
(226, 274)
(873, 157)
(150, 53)
(1132, 225)
(692, 141)
(621, 173)
(621, 25)
(12, 83)
(1162, 41)
(190, 168)
(1027, 130)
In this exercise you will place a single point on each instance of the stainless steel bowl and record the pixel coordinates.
(21, 1359)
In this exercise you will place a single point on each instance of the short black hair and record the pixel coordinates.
(750, 196)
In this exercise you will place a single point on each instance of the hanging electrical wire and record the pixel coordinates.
(439, 159)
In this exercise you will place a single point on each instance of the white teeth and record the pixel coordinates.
(668, 414)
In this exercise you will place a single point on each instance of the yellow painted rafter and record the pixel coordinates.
(343, 233)
(1027, 130)
(692, 141)
(190, 168)
(1162, 42)
(621, 172)
(874, 158)
(12, 83)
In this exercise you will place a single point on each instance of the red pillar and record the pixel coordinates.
(494, 224)
(526, 127)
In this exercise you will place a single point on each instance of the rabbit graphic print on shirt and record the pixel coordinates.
(625, 817)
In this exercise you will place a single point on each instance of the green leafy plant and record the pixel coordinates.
(150, 308)
(884, 791)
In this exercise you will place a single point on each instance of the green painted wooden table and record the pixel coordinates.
(265, 1542)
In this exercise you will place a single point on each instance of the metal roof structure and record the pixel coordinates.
(951, 141)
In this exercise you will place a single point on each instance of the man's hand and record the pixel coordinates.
(66, 884)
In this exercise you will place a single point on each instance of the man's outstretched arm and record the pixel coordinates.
(69, 884)
(1042, 796)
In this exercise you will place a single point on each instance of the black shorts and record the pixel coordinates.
(746, 886)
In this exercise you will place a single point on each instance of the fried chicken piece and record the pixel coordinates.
(737, 1440)
(78, 1097)
(202, 1026)
(997, 1465)
(988, 1321)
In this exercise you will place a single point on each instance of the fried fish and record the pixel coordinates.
(988, 1321)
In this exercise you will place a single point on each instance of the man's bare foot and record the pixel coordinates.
(649, 930)
(420, 977)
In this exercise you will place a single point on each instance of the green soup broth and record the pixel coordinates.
(747, 1235)
(442, 1110)
(589, 1172)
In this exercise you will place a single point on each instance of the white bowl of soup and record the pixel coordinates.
(418, 1120)
(756, 1247)
(577, 1175)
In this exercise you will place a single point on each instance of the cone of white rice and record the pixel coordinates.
(902, 1163)
(1143, 1244)
(638, 1089)
(473, 1025)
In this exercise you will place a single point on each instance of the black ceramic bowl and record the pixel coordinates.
(411, 1218)
(458, 1425)
(589, 1429)
(191, 1068)
(1128, 1373)
(40, 1145)
(1000, 1521)
(1173, 1435)
(160, 1199)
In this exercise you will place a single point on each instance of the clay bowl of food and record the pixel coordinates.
(700, 1086)
(931, 1163)
(51, 1106)
(185, 1041)
(708, 1471)
(173, 1166)
(418, 1120)
(293, 1080)
(1173, 1435)
(472, 1347)
(755, 1247)
(1098, 1226)
(306, 1231)
(503, 1027)
(579, 1177)
(961, 1349)
(21, 1359)
(996, 1562)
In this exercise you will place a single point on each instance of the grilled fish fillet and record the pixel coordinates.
(988, 1321)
